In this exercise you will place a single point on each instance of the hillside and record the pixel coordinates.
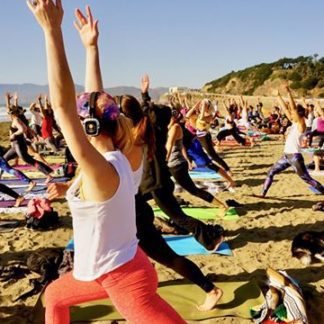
(305, 75)
(28, 92)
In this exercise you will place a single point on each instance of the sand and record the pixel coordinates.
(260, 238)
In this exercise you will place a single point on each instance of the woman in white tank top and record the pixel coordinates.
(292, 156)
(108, 261)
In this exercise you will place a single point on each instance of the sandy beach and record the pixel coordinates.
(259, 239)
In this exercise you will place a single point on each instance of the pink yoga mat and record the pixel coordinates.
(27, 167)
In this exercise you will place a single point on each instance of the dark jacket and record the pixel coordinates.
(156, 173)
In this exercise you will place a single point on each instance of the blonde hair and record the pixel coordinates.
(123, 138)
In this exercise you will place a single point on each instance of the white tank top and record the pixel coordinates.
(104, 232)
(138, 177)
(294, 140)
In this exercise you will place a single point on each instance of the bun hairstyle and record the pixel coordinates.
(143, 133)
(112, 123)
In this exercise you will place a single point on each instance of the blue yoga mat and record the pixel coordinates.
(187, 245)
(183, 245)
(40, 182)
(204, 173)
(315, 190)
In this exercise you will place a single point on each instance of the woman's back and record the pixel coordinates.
(104, 232)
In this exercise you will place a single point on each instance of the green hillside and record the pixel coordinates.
(305, 75)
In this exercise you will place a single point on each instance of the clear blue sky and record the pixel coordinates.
(178, 42)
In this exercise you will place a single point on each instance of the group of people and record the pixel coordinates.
(126, 152)
(25, 136)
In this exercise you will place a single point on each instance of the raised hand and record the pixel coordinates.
(145, 83)
(48, 13)
(87, 27)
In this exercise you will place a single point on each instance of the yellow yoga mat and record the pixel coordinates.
(237, 300)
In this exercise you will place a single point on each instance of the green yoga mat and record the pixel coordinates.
(204, 213)
(237, 301)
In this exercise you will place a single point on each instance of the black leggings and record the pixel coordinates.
(19, 148)
(315, 133)
(207, 235)
(234, 132)
(154, 245)
(207, 143)
(8, 191)
(181, 175)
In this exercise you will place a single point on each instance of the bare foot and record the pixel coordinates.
(217, 242)
(19, 201)
(211, 300)
(31, 186)
(48, 180)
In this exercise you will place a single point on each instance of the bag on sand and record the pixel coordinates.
(40, 215)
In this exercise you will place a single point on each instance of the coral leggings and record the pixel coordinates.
(131, 287)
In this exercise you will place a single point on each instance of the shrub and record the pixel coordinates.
(294, 76)
(310, 83)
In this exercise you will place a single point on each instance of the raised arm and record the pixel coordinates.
(193, 110)
(8, 99)
(284, 105)
(145, 85)
(41, 106)
(96, 171)
(88, 31)
(15, 98)
(292, 102)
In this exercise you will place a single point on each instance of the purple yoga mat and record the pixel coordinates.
(11, 203)
(27, 167)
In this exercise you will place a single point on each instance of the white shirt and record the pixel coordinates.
(104, 232)
(294, 140)
(36, 118)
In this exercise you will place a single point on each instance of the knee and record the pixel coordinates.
(52, 296)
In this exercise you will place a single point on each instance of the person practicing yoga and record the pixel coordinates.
(4, 166)
(8, 191)
(48, 123)
(231, 128)
(177, 160)
(292, 156)
(202, 113)
(150, 239)
(107, 259)
(318, 128)
(19, 146)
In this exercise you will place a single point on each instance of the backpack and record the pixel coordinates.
(40, 215)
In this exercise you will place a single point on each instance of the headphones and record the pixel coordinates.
(91, 124)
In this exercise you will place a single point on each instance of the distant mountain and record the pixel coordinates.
(28, 92)
(305, 75)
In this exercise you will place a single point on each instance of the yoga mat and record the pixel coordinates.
(212, 186)
(11, 203)
(204, 213)
(204, 173)
(13, 210)
(312, 150)
(315, 190)
(238, 299)
(187, 245)
(27, 167)
(40, 181)
(8, 225)
(316, 173)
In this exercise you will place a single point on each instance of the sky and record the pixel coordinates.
(177, 42)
